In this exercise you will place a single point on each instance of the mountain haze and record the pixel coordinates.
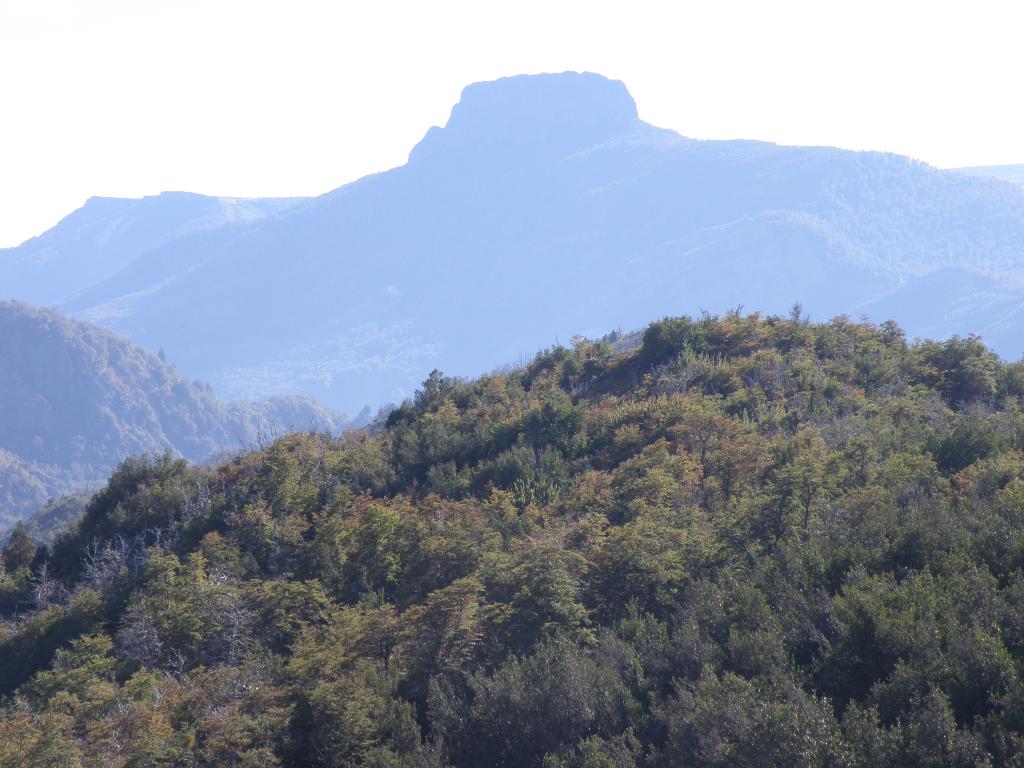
(1012, 173)
(546, 208)
(106, 234)
(75, 400)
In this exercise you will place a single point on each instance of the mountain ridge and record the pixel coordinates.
(548, 191)
(119, 230)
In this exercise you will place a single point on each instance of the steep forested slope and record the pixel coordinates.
(75, 400)
(549, 191)
(747, 542)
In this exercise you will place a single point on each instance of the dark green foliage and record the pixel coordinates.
(544, 703)
(19, 551)
(747, 542)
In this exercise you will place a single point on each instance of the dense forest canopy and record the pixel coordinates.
(748, 541)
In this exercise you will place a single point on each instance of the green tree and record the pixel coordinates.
(19, 551)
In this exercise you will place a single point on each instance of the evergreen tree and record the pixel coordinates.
(19, 552)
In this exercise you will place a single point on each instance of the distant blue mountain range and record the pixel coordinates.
(544, 208)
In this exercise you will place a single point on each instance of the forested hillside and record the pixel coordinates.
(749, 541)
(75, 400)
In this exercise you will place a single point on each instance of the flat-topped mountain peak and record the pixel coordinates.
(542, 113)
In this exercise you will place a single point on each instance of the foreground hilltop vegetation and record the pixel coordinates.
(747, 541)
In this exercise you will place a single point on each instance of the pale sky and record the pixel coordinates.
(296, 97)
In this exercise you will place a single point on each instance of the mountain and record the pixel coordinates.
(746, 542)
(1011, 173)
(106, 234)
(75, 400)
(543, 209)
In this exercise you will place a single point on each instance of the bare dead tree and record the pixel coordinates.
(46, 590)
(103, 562)
(139, 639)
(197, 502)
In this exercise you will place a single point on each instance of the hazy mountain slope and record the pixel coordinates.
(48, 522)
(75, 400)
(106, 234)
(957, 301)
(545, 207)
(1011, 173)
